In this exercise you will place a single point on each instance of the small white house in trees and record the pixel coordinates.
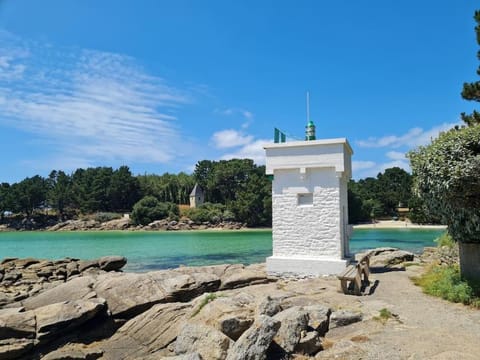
(197, 196)
(310, 205)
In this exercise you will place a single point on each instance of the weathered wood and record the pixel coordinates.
(357, 274)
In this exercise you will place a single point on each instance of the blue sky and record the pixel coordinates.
(160, 85)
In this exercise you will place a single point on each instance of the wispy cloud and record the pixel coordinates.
(89, 106)
(412, 138)
(362, 165)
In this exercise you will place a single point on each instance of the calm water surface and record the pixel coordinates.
(159, 250)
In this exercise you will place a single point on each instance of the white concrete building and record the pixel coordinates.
(310, 206)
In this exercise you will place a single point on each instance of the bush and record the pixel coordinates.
(106, 216)
(446, 282)
(213, 213)
(445, 240)
(150, 209)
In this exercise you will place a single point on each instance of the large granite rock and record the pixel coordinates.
(147, 333)
(386, 256)
(293, 321)
(206, 341)
(254, 343)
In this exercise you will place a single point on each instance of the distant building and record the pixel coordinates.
(197, 196)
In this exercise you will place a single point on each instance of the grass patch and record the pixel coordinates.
(445, 240)
(209, 298)
(447, 283)
(384, 315)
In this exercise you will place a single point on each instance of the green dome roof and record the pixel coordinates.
(310, 123)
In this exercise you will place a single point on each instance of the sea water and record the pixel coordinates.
(161, 249)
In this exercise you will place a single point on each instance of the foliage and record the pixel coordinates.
(167, 187)
(240, 185)
(384, 315)
(29, 194)
(106, 216)
(446, 179)
(6, 201)
(471, 91)
(374, 198)
(446, 282)
(445, 240)
(59, 193)
(150, 209)
(206, 299)
(207, 212)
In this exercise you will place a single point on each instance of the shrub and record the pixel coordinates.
(447, 283)
(445, 240)
(213, 213)
(150, 209)
(106, 216)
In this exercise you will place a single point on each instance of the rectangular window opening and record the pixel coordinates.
(305, 199)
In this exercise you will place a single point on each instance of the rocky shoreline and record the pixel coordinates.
(74, 309)
(119, 224)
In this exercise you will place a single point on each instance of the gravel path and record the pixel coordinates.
(425, 328)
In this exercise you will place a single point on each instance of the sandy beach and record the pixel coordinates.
(392, 224)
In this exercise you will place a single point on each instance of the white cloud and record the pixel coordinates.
(88, 105)
(230, 138)
(253, 150)
(396, 155)
(413, 138)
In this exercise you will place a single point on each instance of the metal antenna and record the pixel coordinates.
(308, 106)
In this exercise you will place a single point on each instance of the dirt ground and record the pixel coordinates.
(423, 327)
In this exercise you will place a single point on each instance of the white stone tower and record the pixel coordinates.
(310, 206)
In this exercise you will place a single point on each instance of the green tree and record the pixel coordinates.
(471, 91)
(5, 199)
(60, 192)
(150, 209)
(29, 194)
(123, 190)
(447, 180)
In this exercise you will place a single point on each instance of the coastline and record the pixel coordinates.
(392, 224)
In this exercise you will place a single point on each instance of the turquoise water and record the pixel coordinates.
(160, 250)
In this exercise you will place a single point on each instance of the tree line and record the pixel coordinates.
(235, 190)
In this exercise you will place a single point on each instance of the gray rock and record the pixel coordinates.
(234, 326)
(129, 294)
(15, 348)
(309, 344)
(112, 263)
(293, 321)
(318, 318)
(343, 318)
(57, 318)
(146, 333)
(269, 306)
(87, 264)
(243, 278)
(254, 342)
(386, 256)
(16, 324)
(205, 340)
(75, 289)
(192, 356)
(74, 352)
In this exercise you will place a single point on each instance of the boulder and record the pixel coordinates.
(293, 322)
(112, 263)
(58, 318)
(318, 318)
(15, 348)
(75, 289)
(129, 294)
(234, 326)
(386, 256)
(87, 264)
(147, 333)
(309, 344)
(269, 306)
(16, 324)
(248, 276)
(344, 318)
(74, 352)
(254, 343)
(192, 356)
(209, 343)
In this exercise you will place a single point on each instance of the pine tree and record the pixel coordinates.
(471, 91)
